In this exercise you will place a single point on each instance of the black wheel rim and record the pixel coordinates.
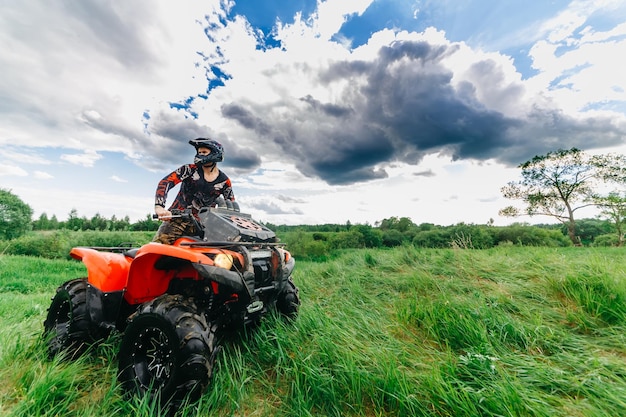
(153, 358)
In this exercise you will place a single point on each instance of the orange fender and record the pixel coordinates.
(145, 281)
(105, 270)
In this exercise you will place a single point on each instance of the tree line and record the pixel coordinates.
(555, 185)
(96, 222)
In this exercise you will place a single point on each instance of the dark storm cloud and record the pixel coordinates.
(332, 110)
(410, 94)
(178, 130)
(403, 105)
(316, 146)
(246, 118)
(243, 159)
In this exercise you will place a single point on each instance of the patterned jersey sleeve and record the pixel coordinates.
(227, 191)
(168, 182)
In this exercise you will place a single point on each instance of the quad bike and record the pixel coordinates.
(171, 302)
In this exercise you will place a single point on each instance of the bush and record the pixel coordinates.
(46, 245)
(606, 240)
(434, 238)
(468, 236)
(303, 245)
(348, 240)
(58, 244)
(525, 235)
(392, 238)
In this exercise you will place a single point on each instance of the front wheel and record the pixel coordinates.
(288, 302)
(167, 351)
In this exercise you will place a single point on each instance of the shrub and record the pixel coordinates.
(525, 235)
(58, 244)
(46, 245)
(606, 240)
(434, 238)
(392, 238)
(303, 245)
(348, 240)
(470, 236)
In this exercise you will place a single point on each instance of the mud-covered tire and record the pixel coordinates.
(167, 352)
(67, 328)
(288, 301)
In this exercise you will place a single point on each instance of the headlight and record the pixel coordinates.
(223, 260)
(285, 254)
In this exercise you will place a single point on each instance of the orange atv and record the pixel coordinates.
(170, 302)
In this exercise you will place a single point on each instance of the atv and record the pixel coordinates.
(171, 304)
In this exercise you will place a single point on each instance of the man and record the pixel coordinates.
(202, 184)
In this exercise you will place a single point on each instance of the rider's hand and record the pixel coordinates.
(161, 212)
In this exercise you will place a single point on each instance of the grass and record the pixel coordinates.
(404, 332)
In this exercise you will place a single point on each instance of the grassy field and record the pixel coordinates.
(404, 332)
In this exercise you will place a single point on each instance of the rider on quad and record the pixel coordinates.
(202, 184)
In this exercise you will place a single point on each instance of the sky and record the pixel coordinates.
(329, 111)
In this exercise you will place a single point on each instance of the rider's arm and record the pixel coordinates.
(166, 184)
(227, 191)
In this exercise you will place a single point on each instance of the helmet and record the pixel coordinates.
(217, 151)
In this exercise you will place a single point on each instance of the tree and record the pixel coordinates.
(560, 183)
(15, 215)
(401, 224)
(43, 223)
(613, 208)
(73, 221)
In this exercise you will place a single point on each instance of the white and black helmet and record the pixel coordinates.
(217, 151)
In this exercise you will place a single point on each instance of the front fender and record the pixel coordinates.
(156, 264)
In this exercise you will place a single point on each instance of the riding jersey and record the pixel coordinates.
(195, 192)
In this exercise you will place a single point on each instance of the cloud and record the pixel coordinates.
(12, 170)
(273, 208)
(427, 173)
(22, 153)
(41, 175)
(339, 115)
(118, 179)
(289, 199)
(408, 101)
(86, 159)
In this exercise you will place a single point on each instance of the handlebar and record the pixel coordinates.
(184, 214)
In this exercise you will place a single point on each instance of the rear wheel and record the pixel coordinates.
(167, 351)
(288, 302)
(67, 327)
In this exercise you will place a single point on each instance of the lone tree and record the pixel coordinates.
(15, 215)
(560, 183)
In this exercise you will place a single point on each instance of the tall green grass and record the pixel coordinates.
(404, 332)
